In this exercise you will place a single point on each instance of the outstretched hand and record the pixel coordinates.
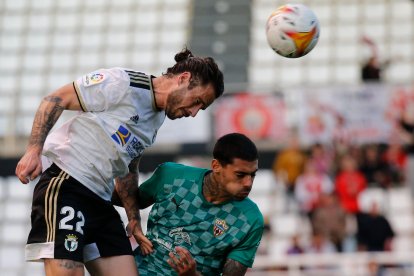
(134, 229)
(182, 262)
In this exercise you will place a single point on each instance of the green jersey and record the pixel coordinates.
(181, 216)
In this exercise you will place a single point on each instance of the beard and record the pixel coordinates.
(173, 101)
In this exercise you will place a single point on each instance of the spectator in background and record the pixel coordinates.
(374, 231)
(342, 136)
(329, 220)
(310, 186)
(319, 244)
(371, 70)
(322, 158)
(406, 125)
(288, 165)
(295, 247)
(349, 183)
(396, 160)
(374, 168)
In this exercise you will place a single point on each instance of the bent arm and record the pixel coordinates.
(46, 116)
(49, 112)
(127, 190)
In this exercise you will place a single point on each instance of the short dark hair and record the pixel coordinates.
(234, 145)
(204, 70)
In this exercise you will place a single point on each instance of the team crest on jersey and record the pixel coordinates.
(220, 226)
(121, 136)
(93, 78)
(71, 242)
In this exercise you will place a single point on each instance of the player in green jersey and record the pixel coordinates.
(202, 221)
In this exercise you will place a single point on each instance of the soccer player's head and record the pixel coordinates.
(200, 82)
(235, 164)
(234, 145)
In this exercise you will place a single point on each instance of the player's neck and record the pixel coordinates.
(212, 191)
(160, 87)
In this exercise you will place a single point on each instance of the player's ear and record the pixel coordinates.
(215, 165)
(183, 77)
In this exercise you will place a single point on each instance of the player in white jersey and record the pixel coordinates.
(121, 111)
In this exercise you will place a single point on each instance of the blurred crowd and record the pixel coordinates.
(324, 184)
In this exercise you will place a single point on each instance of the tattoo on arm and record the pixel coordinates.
(46, 116)
(127, 188)
(234, 268)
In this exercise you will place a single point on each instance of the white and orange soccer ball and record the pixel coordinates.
(292, 30)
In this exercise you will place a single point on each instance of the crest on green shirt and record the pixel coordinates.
(220, 226)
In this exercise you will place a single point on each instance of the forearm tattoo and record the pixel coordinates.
(233, 268)
(46, 116)
(127, 188)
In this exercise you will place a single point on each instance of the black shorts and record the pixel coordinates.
(71, 222)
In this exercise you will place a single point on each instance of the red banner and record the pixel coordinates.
(260, 117)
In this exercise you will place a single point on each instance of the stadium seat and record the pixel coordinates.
(402, 223)
(285, 225)
(264, 182)
(399, 200)
(403, 243)
(13, 232)
(278, 246)
(16, 190)
(15, 210)
(264, 202)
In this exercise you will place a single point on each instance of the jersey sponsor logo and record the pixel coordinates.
(93, 78)
(121, 136)
(135, 148)
(71, 242)
(220, 226)
(180, 236)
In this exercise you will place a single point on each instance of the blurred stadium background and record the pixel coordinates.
(45, 44)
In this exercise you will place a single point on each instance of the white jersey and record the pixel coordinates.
(119, 121)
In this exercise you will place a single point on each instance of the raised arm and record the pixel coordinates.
(127, 190)
(49, 111)
(234, 268)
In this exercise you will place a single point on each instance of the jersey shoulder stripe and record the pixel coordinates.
(138, 79)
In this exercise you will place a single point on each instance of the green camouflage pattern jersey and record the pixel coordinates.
(181, 216)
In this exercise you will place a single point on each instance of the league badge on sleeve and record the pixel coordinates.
(93, 78)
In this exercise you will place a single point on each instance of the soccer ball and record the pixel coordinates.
(292, 30)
